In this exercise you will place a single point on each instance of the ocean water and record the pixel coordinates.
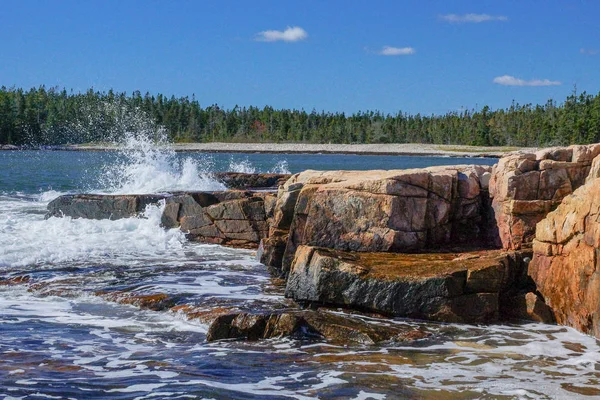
(63, 337)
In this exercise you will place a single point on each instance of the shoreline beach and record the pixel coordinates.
(399, 149)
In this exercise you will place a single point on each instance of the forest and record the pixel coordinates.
(54, 116)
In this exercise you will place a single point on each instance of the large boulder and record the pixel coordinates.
(566, 262)
(233, 218)
(526, 186)
(449, 287)
(378, 211)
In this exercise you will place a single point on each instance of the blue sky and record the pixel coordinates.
(415, 56)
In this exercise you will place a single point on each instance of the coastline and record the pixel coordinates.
(395, 149)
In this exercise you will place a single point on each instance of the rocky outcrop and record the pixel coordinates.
(526, 186)
(234, 218)
(336, 328)
(449, 287)
(393, 242)
(566, 262)
(378, 211)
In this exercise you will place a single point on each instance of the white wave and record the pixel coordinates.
(151, 166)
(28, 239)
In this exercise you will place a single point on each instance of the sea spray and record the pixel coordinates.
(247, 167)
(145, 161)
(244, 166)
(147, 164)
(281, 167)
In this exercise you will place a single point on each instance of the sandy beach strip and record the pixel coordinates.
(406, 149)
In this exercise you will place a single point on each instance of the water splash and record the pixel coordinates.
(281, 167)
(148, 164)
(247, 167)
(244, 166)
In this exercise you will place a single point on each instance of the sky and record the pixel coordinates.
(428, 57)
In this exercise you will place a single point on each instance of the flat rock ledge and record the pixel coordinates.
(468, 287)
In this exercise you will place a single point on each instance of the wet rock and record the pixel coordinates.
(565, 262)
(238, 180)
(238, 219)
(439, 286)
(528, 306)
(526, 186)
(170, 215)
(337, 328)
(154, 302)
(67, 287)
(16, 280)
(202, 314)
(93, 206)
(377, 211)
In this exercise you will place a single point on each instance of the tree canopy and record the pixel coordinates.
(41, 116)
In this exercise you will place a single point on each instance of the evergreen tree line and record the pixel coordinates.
(53, 116)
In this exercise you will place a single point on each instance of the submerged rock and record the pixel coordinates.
(16, 280)
(154, 301)
(445, 287)
(565, 265)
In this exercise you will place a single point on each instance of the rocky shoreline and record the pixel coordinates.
(450, 244)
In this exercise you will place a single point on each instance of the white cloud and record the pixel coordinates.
(472, 18)
(396, 51)
(589, 52)
(507, 80)
(290, 34)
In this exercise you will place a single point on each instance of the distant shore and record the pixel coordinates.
(399, 149)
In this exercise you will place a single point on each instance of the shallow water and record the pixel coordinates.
(62, 335)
